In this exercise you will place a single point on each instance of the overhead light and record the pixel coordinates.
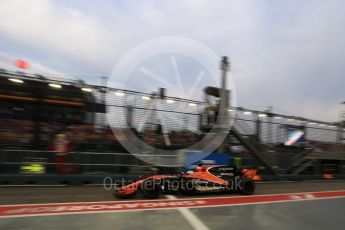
(331, 126)
(247, 112)
(145, 98)
(16, 80)
(119, 93)
(322, 125)
(290, 119)
(312, 123)
(192, 104)
(231, 110)
(54, 85)
(278, 117)
(86, 89)
(170, 101)
(262, 115)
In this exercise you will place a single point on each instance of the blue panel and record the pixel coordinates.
(193, 158)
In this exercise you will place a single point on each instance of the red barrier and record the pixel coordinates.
(110, 206)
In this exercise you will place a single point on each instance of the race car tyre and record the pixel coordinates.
(118, 195)
(151, 189)
(247, 186)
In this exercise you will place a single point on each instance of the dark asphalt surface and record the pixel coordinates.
(304, 215)
(307, 214)
(313, 215)
(31, 195)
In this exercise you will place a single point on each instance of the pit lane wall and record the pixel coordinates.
(38, 167)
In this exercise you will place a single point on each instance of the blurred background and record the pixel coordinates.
(92, 92)
(59, 126)
(56, 59)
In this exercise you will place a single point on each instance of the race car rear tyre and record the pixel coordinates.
(151, 189)
(247, 186)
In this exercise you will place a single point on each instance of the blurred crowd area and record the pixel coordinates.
(87, 141)
(22, 133)
(177, 139)
(16, 133)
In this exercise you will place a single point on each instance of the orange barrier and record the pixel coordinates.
(327, 176)
(256, 177)
(251, 173)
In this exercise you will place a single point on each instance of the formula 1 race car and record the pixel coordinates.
(203, 179)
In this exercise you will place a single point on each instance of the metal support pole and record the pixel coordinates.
(104, 82)
(222, 120)
(340, 131)
(258, 129)
(339, 135)
(270, 128)
(104, 90)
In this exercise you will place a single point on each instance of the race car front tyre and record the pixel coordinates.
(247, 186)
(119, 195)
(151, 189)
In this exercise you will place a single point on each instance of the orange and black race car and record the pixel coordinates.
(203, 179)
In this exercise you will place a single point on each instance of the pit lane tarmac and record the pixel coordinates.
(294, 206)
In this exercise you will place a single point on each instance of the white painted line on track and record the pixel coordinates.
(171, 203)
(170, 208)
(192, 219)
(180, 198)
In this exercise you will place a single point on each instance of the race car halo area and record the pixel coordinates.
(279, 205)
